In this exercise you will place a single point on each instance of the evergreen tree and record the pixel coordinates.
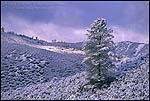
(2, 29)
(98, 49)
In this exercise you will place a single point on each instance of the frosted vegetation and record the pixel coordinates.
(36, 69)
(133, 86)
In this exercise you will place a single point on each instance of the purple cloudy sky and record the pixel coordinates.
(69, 20)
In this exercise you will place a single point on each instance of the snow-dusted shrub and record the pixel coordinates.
(98, 49)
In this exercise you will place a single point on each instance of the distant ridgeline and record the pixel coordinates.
(31, 40)
(35, 40)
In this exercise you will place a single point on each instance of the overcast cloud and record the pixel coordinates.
(68, 21)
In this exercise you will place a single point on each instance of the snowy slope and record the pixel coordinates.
(26, 62)
(130, 55)
(133, 86)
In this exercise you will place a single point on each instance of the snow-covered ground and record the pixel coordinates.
(36, 69)
(59, 49)
(133, 86)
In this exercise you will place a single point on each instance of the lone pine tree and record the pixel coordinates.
(98, 49)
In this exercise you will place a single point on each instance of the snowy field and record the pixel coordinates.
(35, 69)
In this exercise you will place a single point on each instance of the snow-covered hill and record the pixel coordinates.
(129, 55)
(29, 65)
(24, 64)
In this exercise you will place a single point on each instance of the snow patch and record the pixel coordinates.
(22, 57)
(59, 49)
(122, 60)
(139, 48)
(129, 43)
(10, 55)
